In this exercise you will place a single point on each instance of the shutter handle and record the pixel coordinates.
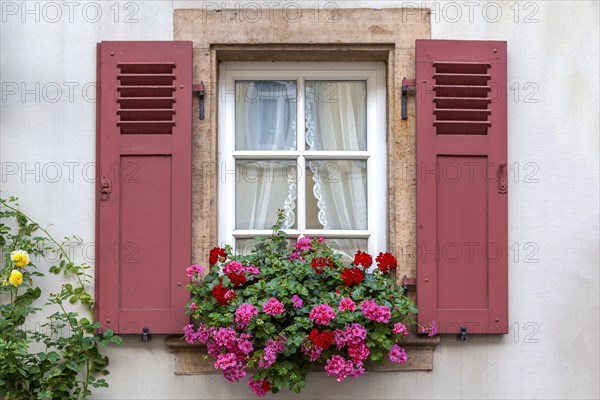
(502, 178)
(106, 188)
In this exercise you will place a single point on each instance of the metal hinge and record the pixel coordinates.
(201, 90)
(463, 333)
(406, 83)
(146, 334)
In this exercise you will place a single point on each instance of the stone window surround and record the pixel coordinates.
(355, 35)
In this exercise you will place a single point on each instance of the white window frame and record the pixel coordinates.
(376, 155)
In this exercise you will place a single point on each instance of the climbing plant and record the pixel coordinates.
(59, 357)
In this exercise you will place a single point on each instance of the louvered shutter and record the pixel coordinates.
(143, 213)
(462, 268)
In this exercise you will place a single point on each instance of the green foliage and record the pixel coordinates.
(59, 358)
(284, 272)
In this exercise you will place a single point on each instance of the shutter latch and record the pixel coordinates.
(201, 90)
(502, 188)
(106, 188)
(406, 83)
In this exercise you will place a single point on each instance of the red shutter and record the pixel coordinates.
(143, 206)
(462, 268)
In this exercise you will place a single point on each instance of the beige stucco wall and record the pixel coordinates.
(552, 350)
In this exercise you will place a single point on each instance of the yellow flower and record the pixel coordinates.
(15, 278)
(20, 258)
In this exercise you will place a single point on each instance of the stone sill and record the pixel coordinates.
(188, 357)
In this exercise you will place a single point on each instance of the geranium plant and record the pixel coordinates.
(284, 309)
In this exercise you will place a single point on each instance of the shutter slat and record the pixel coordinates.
(146, 79)
(462, 267)
(461, 79)
(148, 103)
(461, 114)
(144, 153)
(155, 114)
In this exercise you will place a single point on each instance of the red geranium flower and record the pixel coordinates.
(363, 259)
(219, 292)
(351, 276)
(266, 386)
(321, 262)
(237, 278)
(386, 262)
(215, 254)
(322, 340)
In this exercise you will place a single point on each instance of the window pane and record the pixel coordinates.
(348, 247)
(336, 115)
(336, 194)
(248, 245)
(245, 246)
(262, 187)
(265, 115)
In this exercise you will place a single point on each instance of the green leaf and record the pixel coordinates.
(21, 219)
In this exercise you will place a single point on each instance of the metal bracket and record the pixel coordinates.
(146, 335)
(463, 333)
(201, 90)
(408, 283)
(406, 83)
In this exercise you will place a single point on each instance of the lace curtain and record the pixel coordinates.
(335, 120)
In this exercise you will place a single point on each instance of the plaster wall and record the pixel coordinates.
(47, 151)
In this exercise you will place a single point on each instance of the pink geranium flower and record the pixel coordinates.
(400, 328)
(273, 307)
(297, 301)
(398, 354)
(347, 304)
(303, 244)
(244, 314)
(193, 270)
(322, 314)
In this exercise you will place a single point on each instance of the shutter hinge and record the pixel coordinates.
(406, 83)
(146, 334)
(201, 90)
(463, 333)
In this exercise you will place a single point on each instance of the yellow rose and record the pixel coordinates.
(15, 278)
(20, 258)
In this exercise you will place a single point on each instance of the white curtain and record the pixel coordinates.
(265, 120)
(263, 187)
(336, 121)
(265, 115)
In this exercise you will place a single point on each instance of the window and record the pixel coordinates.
(461, 132)
(307, 138)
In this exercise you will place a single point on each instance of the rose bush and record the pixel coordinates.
(285, 308)
(56, 355)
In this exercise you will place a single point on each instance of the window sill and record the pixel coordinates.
(189, 361)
